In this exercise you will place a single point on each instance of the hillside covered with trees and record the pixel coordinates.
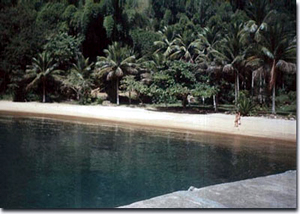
(240, 53)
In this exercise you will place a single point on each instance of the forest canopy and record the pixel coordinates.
(163, 51)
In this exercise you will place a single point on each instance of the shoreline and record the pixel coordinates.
(276, 129)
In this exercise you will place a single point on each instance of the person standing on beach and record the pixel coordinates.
(237, 120)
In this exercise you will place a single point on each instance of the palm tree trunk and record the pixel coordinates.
(273, 84)
(129, 97)
(263, 91)
(78, 96)
(260, 89)
(237, 83)
(252, 85)
(215, 103)
(44, 90)
(117, 90)
(236, 88)
(273, 100)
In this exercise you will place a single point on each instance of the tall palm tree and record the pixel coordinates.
(279, 48)
(41, 69)
(233, 50)
(79, 77)
(117, 62)
(259, 14)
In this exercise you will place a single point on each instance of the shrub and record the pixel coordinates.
(99, 101)
(292, 96)
(245, 105)
(85, 100)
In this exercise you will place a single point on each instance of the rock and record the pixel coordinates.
(106, 103)
(192, 188)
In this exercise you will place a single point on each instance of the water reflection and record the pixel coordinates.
(53, 164)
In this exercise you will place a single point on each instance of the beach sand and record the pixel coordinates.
(219, 123)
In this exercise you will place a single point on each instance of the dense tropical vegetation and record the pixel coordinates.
(239, 53)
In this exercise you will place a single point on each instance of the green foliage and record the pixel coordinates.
(85, 100)
(292, 96)
(285, 98)
(20, 37)
(51, 16)
(63, 47)
(99, 100)
(109, 24)
(245, 105)
(204, 90)
(160, 95)
(175, 82)
(117, 63)
(167, 17)
(40, 71)
(176, 47)
(128, 83)
(143, 41)
(79, 77)
(131, 85)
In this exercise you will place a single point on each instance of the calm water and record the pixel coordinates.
(47, 163)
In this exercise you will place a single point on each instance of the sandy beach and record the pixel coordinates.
(220, 123)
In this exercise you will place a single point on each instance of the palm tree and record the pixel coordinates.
(257, 62)
(209, 40)
(279, 48)
(184, 50)
(259, 14)
(233, 52)
(117, 62)
(79, 76)
(153, 63)
(165, 45)
(41, 69)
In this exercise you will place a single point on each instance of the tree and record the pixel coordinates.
(41, 69)
(205, 91)
(21, 38)
(128, 83)
(131, 85)
(184, 50)
(117, 63)
(233, 50)
(157, 62)
(79, 77)
(279, 47)
(143, 41)
(165, 45)
(174, 81)
(63, 47)
(208, 41)
(260, 14)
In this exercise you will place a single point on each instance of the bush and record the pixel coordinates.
(99, 101)
(292, 96)
(6, 97)
(245, 105)
(286, 98)
(85, 100)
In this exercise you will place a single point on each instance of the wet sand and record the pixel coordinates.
(217, 123)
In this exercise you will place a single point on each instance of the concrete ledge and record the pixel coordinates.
(274, 191)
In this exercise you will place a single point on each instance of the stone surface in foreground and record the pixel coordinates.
(274, 191)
